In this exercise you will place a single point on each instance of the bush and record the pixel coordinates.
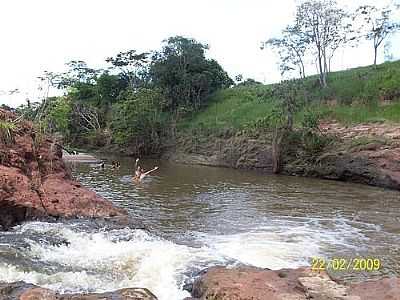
(138, 119)
(7, 131)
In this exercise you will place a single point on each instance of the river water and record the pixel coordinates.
(197, 217)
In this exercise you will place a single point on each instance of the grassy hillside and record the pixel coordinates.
(353, 96)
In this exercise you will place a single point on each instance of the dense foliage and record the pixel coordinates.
(186, 77)
(133, 102)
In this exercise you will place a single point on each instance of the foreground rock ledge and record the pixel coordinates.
(24, 291)
(34, 181)
(250, 283)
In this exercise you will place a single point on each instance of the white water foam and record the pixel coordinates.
(289, 243)
(105, 261)
(108, 260)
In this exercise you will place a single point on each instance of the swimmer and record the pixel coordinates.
(140, 173)
(115, 164)
(137, 168)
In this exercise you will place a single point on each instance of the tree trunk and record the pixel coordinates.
(375, 55)
(321, 70)
(276, 150)
(325, 72)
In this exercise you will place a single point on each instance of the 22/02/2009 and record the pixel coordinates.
(345, 264)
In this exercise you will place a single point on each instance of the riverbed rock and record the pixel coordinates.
(24, 291)
(237, 152)
(35, 183)
(245, 283)
(367, 167)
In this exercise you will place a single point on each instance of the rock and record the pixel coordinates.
(24, 291)
(37, 293)
(232, 151)
(383, 289)
(323, 288)
(245, 283)
(80, 157)
(370, 165)
(124, 294)
(34, 182)
(375, 168)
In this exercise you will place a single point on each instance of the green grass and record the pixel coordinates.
(362, 113)
(7, 130)
(356, 92)
(362, 85)
(233, 108)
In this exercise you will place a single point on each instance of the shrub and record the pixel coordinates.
(7, 131)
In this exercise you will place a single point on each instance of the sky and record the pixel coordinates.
(43, 35)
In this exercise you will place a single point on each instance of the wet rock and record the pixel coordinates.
(24, 291)
(248, 283)
(244, 283)
(35, 184)
(371, 167)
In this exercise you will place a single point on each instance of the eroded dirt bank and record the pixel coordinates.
(34, 181)
(367, 154)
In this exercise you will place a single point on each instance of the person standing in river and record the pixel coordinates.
(140, 173)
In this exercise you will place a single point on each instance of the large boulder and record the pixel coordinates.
(24, 291)
(251, 283)
(35, 183)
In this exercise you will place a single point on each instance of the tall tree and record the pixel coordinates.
(326, 27)
(379, 25)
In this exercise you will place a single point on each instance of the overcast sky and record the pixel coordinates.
(45, 34)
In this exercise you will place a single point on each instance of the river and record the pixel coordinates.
(197, 217)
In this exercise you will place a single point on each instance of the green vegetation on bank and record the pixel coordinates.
(142, 101)
(366, 94)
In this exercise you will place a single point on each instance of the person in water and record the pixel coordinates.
(115, 164)
(140, 173)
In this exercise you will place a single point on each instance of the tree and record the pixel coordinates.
(379, 25)
(138, 120)
(48, 80)
(290, 96)
(86, 117)
(108, 88)
(58, 115)
(291, 49)
(326, 28)
(132, 66)
(184, 75)
(78, 73)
